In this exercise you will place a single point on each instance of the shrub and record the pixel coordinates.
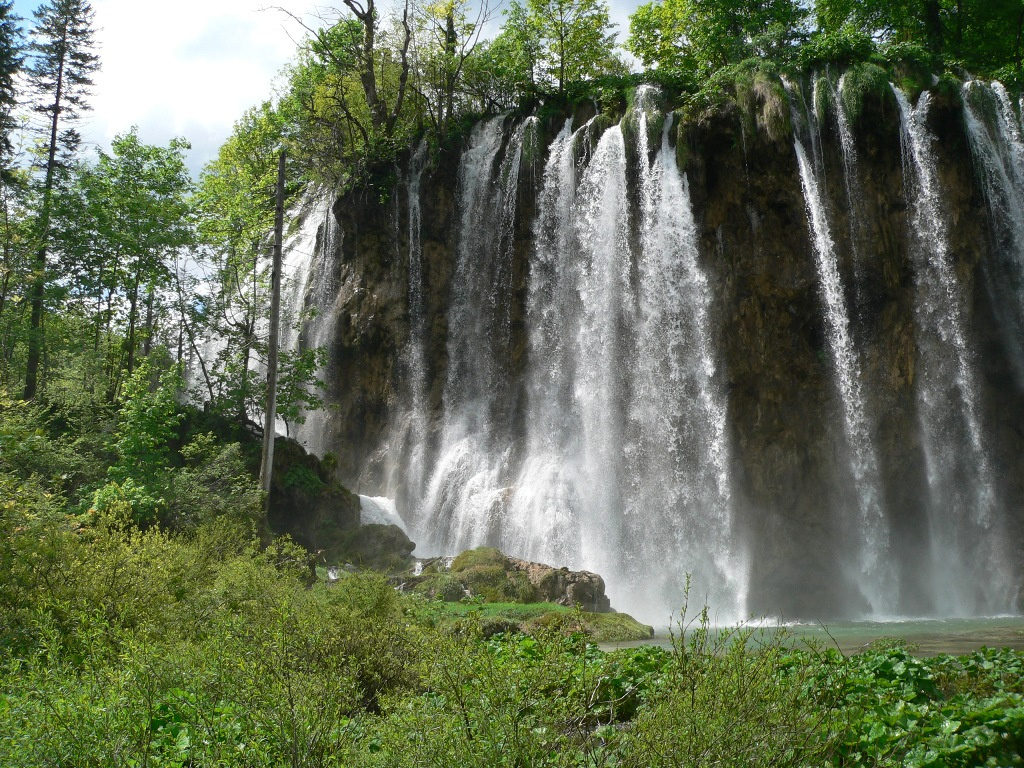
(859, 83)
(740, 696)
(843, 46)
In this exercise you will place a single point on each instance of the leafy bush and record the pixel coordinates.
(861, 82)
(843, 46)
(723, 702)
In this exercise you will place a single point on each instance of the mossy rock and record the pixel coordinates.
(479, 557)
(863, 82)
(374, 547)
(441, 586)
(307, 503)
(599, 627)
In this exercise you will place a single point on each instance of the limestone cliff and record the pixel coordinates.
(795, 519)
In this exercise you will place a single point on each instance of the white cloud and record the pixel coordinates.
(188, 68)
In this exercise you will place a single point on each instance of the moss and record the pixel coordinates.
(303, 478)
(823, 100)
(441, 586)
(861, 82)
(761, 97)
(478, 557)
(682, 145)
(529, 618)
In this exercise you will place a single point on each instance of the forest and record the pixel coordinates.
(149, 615)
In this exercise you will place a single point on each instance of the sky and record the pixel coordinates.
(190, 68)
(186, 68)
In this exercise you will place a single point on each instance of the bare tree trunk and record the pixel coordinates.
(38, 292)
(270, 412)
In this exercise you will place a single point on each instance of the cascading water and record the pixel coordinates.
(465, 494)
(308, 299)
(678, 508)
(995, 133)
(594, 377)
(409, 435)
(623, 464)
(874, 571)
(971, 573)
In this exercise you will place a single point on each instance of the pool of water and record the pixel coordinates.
(926, 637)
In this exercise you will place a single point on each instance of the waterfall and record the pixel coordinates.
(579, 348)
(854, 190)
(407, 452)
(873, 569)
(309, 297)
(678, 508)
(547, 497)
(464, 496)
(971, 572)
(997, 144)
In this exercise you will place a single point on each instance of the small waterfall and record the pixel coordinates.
(970, 570)
(997, 144)
(678, 509)
(309, 299)
(874, 569)
(851, 179)
(407, 452)
(308, 295)
(464, 496)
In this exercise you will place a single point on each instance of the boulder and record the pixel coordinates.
(377, 547)
(565, 587)
(308, 504)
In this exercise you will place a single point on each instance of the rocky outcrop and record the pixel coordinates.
(487, 572)
(564, 587)
(309, 504)
(376, 547)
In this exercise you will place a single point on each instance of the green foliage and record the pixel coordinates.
(902, 710)
(147, 424)
(843, 46)
(862, 82)
(700, 37)
(739, 696)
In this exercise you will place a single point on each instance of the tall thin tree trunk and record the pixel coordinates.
(38, 293)
(147, 341)
(270, 412)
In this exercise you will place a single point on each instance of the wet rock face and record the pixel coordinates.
(792, 481)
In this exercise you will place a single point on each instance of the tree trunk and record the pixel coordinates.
(35, 334)
(270, 411)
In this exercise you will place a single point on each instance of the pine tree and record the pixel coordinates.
(60, 75)
(11, 59)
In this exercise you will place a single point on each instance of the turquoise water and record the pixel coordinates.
(926, 637)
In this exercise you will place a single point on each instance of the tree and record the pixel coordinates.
(576, 37)
(62, 64)
(236, 204)
(11, 59)
(700, 36)
(444, 42)
(509, 65)
(116, 225)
